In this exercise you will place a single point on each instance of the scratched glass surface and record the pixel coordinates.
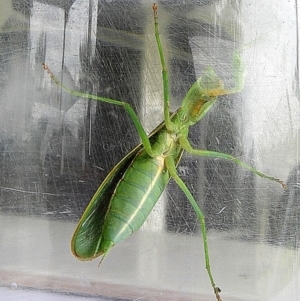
(55, 149)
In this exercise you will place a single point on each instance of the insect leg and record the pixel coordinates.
(165, 76)
(173, 173)
(125, 105)
(239, 72)
(239, 76)
(185, 144)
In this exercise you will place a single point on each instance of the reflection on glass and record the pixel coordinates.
(55, 149)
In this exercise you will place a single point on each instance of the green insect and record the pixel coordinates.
(123, 201)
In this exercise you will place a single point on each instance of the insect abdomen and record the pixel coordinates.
(133, 199)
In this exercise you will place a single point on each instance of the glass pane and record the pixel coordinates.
(56, 149)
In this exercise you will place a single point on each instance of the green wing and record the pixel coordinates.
(87, 236)
(88, 231)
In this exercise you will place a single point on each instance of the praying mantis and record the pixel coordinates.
(126, 197)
